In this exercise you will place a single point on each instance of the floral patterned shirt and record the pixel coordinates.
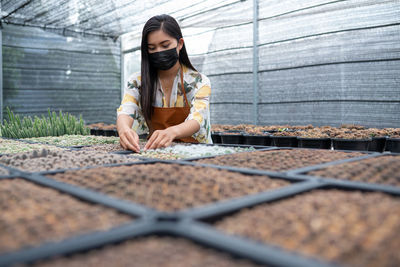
(197, 88)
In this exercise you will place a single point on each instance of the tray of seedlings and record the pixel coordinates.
(50, 160)
(280, 159)
(345, 137)
(188, 151)
(11, 146)
(381, 170)
(74, 141)
(34, 215)
(334, 225)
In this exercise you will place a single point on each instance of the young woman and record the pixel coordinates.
(169, 98)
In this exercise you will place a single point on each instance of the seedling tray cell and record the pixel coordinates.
(32, 214)
(169, 187)
(279, 160)
(346, 227)
(380, 170)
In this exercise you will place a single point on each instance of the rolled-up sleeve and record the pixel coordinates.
(130, 104)
(200, 110)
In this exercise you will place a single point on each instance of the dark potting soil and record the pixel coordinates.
(45, 160)
(381, 170)
(279, 160)
(169, 187)
(150, 251)
(32, 214)
(351, 228)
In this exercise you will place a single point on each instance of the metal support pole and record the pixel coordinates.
(255, 62)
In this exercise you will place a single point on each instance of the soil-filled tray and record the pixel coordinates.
(150, 251)
(9, 146)
(279, 160)
(169, 187)
(32, 214)
(382, 170)
(347, 227)
(45, 160)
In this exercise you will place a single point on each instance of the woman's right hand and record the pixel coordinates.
(129, 139)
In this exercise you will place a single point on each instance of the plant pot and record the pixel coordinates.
(321, 143)
(93, 131)
(377, 144)
(216, 137)
(393, 145)
(232, 137)
(261, 140)
(284, 141)
(100, 132)
(351, 144)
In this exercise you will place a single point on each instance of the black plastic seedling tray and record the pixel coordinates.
(348, 144)
(393, 145)
(232, 137)
(377, 144)
(319, 143)
(284, 141)
(262, 140)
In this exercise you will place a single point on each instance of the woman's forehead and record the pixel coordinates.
(157, 37)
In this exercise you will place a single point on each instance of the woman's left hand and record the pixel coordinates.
(160, 139)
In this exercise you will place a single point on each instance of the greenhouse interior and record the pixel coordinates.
(206, 133)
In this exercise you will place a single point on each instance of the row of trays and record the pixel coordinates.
(376, 144)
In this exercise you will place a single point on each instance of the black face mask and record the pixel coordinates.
(164, 60)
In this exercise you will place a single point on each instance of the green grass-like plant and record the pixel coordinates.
(26, 127)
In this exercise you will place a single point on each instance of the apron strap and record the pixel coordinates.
(183, 88)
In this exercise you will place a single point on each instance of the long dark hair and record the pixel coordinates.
(149, 74)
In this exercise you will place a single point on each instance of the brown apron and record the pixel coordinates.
(166, 117)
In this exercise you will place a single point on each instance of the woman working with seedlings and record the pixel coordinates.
(154, 100)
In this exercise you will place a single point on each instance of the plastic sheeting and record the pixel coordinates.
(116, 17)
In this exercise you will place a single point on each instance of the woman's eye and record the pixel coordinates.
(151, 48)
(165, 46)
